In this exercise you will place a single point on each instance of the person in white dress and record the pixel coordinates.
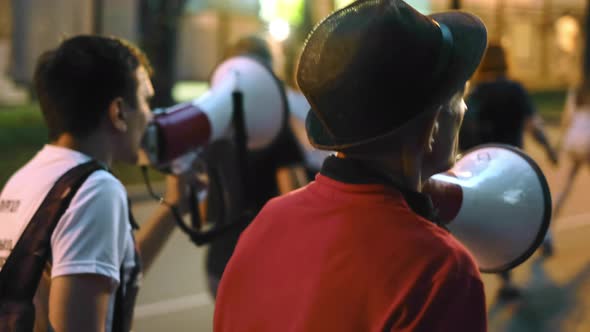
(574, 139)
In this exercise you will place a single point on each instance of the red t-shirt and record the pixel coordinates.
(334, 256)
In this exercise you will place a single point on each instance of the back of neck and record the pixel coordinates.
(92, 145)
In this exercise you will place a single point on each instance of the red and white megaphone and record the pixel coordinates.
(496, 201)
(186, 127)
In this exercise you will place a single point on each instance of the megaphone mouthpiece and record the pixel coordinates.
(446, 196)
(170, 132)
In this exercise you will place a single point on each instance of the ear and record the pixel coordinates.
(432, 132)
(116, 115)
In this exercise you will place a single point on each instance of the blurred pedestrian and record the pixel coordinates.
(574, 138)
(500, 108)
(94, 94)
(272, 172)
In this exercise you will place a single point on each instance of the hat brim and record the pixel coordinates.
(469, 44)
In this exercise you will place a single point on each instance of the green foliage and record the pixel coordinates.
(23, 133)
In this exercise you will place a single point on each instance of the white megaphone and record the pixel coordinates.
(496, 201)
(186, 127)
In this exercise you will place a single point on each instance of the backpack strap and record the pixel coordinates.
(20, 275)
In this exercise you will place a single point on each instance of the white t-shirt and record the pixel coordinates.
(93, 235)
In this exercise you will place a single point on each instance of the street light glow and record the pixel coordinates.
(279, 29)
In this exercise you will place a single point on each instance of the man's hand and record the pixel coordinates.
(178, 190)
(153, 234)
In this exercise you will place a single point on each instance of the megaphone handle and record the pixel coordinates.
(194, 207)
(241, 140)
(197, 236)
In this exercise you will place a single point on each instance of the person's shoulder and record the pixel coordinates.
(448, 255)
(514, 85)
(502, 82)
(285, 201)
(105, 180)
(102, 184)
(98, 210)
(281, 207)
(458, 260)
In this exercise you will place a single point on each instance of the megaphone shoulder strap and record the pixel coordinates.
(22, 270)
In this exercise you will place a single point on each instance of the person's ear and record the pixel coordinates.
(117, 114)
(432, 133)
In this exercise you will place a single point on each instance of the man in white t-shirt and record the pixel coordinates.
(94, 93)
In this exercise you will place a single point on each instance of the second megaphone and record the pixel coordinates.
(495, 201)
(186, 127)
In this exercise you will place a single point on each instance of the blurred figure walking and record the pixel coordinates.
(273, 171)
(574, 138)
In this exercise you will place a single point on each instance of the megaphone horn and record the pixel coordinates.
(496, 201)
(186, 127)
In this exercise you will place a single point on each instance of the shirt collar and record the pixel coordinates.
(81, 157)
(354, 172)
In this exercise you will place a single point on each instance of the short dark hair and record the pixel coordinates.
(76, 82)
(252, 45)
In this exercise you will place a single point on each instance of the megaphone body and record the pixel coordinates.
(496, 202)
(186, 127)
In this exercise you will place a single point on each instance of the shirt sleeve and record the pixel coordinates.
(90, 236)
(525, 102)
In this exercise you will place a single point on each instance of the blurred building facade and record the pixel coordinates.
(10, 93)
(544, 37)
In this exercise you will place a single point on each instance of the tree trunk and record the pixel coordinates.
(547, 26)
(98, 10)
(22, 16)
(499, 13)
(159, 25)
(456, 4)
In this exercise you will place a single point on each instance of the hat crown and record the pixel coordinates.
(368, 68)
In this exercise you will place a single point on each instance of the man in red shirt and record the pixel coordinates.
(360, 249)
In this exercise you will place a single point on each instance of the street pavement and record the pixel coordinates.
(556, 291)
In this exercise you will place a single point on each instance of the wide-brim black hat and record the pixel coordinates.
(371, 67)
